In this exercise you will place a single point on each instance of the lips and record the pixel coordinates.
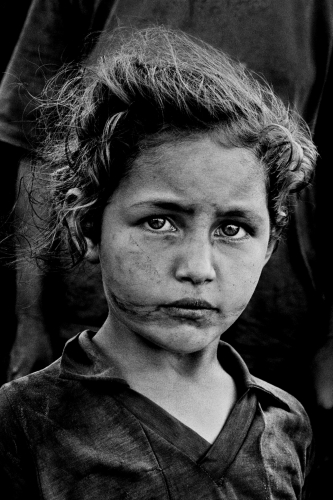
(188, 303)
(190, 309)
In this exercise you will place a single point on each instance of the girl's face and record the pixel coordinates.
(184, 240)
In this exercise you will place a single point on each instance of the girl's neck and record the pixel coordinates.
(138, 359)
(194, 388)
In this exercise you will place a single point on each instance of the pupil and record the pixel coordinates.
(231, 230)
(156, 223)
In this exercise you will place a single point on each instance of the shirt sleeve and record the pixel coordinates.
(18, 477)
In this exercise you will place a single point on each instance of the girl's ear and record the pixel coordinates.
(272, 246)
(92, 253)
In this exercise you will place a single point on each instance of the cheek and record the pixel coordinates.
(129, 268)
(241, 275)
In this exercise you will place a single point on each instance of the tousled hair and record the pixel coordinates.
(151, 87)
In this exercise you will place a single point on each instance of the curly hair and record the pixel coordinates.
(150, 87)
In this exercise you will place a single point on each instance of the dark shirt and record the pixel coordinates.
(60, 31)
(76, 430)
(296, 63)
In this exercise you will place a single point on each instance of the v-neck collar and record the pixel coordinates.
(81, 361)
(163, 423)
(214, 458)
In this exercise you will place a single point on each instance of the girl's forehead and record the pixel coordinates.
(196, 170)
(198, 157)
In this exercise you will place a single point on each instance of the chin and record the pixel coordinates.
(183, 340)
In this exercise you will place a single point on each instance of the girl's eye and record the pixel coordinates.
(231, 231)
(160, 224)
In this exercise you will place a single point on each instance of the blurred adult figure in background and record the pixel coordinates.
(12, 17)
(290, 44)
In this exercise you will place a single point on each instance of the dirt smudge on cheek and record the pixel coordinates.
(132, 280)
(142, 260)
(138, 310)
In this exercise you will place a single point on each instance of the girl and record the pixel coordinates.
(173, 168)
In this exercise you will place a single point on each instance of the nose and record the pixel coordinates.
(195, 262)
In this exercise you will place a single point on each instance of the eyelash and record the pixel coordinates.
(225, 236)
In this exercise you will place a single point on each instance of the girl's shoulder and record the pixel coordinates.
(29, 393)
(286, 415)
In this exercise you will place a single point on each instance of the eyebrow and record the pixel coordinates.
(244, 213)
(166, 205)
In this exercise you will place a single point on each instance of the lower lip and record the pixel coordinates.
(193, 314)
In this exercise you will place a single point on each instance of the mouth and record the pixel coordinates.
(189, 303)
(188, 308)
